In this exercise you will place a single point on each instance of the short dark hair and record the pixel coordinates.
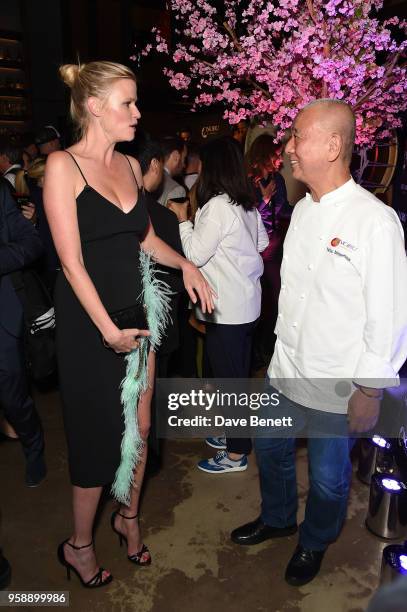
(10, 146)
(47, 134)
(193, 150)
(184, 128)
(146, 149)
(223, 172)
(170, 144)
(27, 139)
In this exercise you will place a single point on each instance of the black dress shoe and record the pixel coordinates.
(303, 566)
(256, 532)
(5, 438)
(35, 472)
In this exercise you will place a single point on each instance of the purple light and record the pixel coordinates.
(403, 561)
(391, 484)
(380, 442)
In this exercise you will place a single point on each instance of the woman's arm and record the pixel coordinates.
(165, 255)
(60, 207)
(201, 242)
(193, 279)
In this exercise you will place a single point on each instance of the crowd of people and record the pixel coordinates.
(319, 288)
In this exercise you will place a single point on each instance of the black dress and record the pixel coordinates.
(89, 373)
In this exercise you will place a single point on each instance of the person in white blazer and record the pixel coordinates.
(225, 243)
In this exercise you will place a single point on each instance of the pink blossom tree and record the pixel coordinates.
(265, 59)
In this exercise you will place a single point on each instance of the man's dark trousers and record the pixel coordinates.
(20, 246)
(330, 472)
(16, 401)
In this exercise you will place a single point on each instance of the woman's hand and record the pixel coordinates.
(180, 210)
(195, 282)
(125, 340)
(268, 191)
(28, 211)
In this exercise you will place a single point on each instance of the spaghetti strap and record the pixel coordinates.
(78, 166)
(132, 171)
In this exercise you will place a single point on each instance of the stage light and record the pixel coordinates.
(394, 563)
(387, 513)
(375, 455)
(391, 484)
(382, 442)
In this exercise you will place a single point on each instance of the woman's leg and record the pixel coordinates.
(85, 503)
(130, 528)
(229, 349)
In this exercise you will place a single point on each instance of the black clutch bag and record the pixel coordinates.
(133, 317)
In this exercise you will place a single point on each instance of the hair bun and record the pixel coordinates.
(69, 74)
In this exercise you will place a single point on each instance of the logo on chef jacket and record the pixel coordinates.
(343, 243)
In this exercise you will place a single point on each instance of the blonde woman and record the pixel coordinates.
(34, 172)
(96, 209)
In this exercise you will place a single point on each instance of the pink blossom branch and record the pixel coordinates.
(311, 11)
(307, 49)
(374, 85)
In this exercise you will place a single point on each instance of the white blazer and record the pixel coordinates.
(225, 244)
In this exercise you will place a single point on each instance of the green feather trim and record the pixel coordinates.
(156, 296)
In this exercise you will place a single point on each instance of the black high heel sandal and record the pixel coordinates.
(95, 582)
(137, 558)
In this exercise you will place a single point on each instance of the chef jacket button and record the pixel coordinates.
(295, 324)
(292, 352)
(302, 296)
(310, 267)
(321, 237)
(283, 287)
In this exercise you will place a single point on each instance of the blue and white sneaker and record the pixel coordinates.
(218, 443)
(221, 464)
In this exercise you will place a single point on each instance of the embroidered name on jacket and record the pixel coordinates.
(335, 252)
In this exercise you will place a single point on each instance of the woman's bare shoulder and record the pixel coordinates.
(135, 165)
(134, 162)
(60, 161)
(61, 173)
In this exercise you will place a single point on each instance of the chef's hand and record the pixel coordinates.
(363, 411)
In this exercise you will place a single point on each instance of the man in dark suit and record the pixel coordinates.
(20, 245)
(150, 155)
(174, 154)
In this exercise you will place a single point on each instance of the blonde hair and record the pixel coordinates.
(86, 80)
(35, 171)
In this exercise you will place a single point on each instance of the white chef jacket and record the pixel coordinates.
(225, 244)
(343, 300)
